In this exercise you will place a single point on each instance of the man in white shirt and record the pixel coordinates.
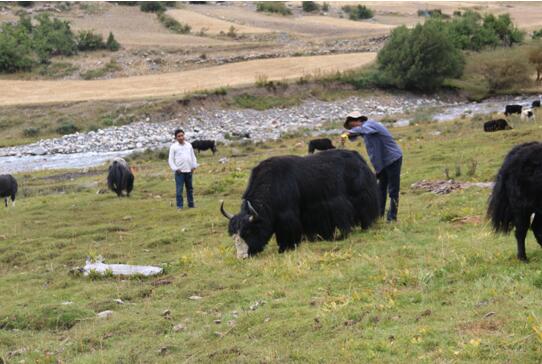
(183, 162)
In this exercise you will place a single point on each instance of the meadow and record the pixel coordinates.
(437, 286)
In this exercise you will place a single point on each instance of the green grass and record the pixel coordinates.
(247, 101)
(427, 289)
(109, 67)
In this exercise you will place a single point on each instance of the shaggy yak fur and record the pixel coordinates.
(512, 109)
(8, 188)
(495, 125)
(200, 145)
(120, 178)
(320, 144)
(320, 196)
(535, 103)
(518, 194)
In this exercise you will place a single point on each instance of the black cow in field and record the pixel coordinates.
(200, 145)
(320, 144)
(311, 197)
(512, 109)
(120, 178)
(535, 103)
(8, 188)
(517, 195)
(495, 125)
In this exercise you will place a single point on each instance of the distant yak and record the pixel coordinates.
(527, 114)
(535, 103)
(320, 144)
(512, 109)
(8, 188)
(320, 196)
(495, 125)
(517, 195)
(200, 145)
(120, 178)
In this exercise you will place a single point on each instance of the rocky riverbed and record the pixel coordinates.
(222, 125)
(94, 148)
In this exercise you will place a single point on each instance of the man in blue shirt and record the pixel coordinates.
(386, 157)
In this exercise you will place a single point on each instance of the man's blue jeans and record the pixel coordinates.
(184, 179)
(389, 180)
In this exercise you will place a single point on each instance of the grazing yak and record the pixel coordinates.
(320, 196)
(517, 195)
(120, 178)
(8, 188)
(320, 144)
(495, 125)
(200, 145)
(536, 103)
(512, 109)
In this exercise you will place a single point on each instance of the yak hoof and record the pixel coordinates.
(523, 258)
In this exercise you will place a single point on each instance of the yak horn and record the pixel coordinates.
(251, 208)
(226, 214)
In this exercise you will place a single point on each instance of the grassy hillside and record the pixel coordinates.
(436, 287)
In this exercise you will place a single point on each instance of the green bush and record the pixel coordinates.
(309, 6)
(419, 58)
(172, 24)
(273, 7)
(25, 4)
(537, 34)
(111, 43)
(491, 72)
(325, 6)
(89, 41)
(152, 6)
(31, 132)
(52, 37)
(67, 128)
(15, 48)
(358, 12)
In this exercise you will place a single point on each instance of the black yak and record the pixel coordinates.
(495, 125)
(512, 109)
(8, 188)
(320, 144)
(320, 196)
(535, 103)
(120, 178)
(518, 194)
(200, 145)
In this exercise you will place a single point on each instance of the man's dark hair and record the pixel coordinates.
(177, 131)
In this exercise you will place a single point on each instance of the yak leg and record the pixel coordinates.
(6, 201)
(522, 223)
(288, 231)
(536, 226)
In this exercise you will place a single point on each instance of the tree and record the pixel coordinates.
(309, 6)
(152, 6)
(420, 58)
(15, 48)
(499, 69)
(52, 37)
(112, 43)
(535, 57)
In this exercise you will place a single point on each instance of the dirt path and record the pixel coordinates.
(178, 83)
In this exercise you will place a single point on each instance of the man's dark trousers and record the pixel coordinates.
(184, 179)
(389, 180)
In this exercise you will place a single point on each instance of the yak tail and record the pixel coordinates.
(499, 210)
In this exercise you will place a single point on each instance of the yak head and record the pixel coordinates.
(249, 229)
